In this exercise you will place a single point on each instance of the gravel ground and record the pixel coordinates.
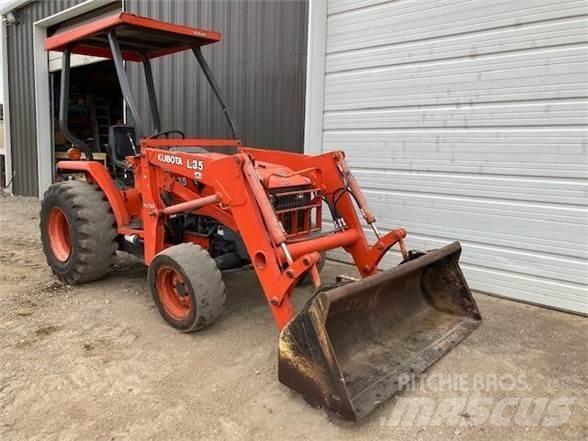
(96, 362)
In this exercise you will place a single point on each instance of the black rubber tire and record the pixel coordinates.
(92, 231)
(203, 282)
(307, 278)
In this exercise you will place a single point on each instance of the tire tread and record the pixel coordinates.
(95, 231)
(206, 280)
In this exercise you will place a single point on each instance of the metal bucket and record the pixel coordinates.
(353, 346)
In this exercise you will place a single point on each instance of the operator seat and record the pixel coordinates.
(122, 141)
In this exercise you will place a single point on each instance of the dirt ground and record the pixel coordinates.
(96, 362)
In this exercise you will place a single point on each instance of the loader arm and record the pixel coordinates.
(243, 205)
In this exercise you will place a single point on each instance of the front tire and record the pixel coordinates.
(77, 232)
(187, 287)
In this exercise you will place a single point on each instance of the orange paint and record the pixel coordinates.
(236, 190)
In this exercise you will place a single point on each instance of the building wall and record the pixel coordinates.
(260, 65)
(22, 94)
(469, 123)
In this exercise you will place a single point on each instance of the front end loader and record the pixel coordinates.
(193, 208)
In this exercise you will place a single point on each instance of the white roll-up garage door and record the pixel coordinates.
(76, 60)
(466, 120)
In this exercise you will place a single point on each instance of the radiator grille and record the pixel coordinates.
(299, 210)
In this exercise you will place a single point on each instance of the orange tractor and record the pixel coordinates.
(192, 208)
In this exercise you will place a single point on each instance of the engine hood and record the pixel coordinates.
(277, 176)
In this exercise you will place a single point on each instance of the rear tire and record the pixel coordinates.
(77, 231)
(187, 287)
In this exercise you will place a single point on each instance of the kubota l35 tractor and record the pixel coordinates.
(191, 208)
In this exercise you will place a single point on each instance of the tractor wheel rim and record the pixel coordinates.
(58, 232)
(172, 292)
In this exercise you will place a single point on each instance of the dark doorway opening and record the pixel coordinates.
(95, 104)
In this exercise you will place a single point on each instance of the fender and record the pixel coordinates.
(102, 179)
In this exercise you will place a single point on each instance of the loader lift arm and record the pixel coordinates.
(227, 185)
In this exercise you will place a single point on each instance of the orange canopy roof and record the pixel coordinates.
(138, 36)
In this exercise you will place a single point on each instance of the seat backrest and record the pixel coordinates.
(119, 143)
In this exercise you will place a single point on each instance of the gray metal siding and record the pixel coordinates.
(22, 93)
(260, 65)
(468, 122)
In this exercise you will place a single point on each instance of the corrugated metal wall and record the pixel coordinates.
(468, 121)
(260, 64)
(22, 93)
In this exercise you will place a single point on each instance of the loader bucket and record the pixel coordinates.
(353, 346)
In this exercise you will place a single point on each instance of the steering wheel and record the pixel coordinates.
(166, 133)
